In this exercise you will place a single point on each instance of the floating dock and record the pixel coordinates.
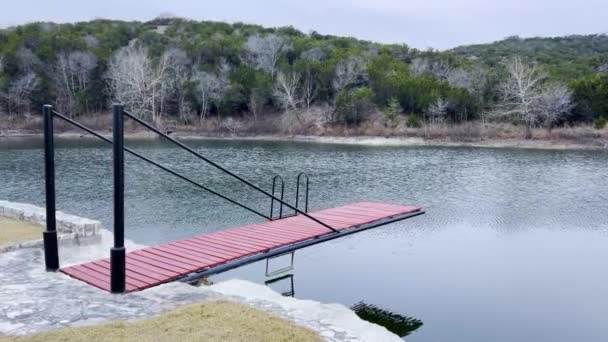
(220, 251)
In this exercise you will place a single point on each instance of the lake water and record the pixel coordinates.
(513, 247)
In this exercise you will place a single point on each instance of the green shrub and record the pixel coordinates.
(600, 122)
(352, 107)
(344, 106)
(391, 113)
(412, 121)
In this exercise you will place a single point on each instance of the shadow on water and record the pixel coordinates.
(393, 322)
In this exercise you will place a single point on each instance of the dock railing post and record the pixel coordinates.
(51, 253)
(117, 254)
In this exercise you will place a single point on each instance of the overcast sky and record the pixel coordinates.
(438, 24)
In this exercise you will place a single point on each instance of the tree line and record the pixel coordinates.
(191, 71)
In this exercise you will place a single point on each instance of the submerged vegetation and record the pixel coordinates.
(275, 80)
(397, 324)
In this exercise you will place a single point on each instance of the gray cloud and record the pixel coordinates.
(420, 23)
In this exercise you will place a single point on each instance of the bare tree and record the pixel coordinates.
(223, 74)
(264, 51)
(419, 66)
(441, 69)
(72, 75)
(128, 73)
(520, 93)
(90, 40)
(286, 90)
(2, 97)
(27, 60)
(473, 80)
(19, 93)
(479, 80)
(314, 54)
(160, 81)
(460, 78)
(178, 76)
(309, 88)
(255, 104)
(138, 82)
(554, 103)
(231, 125)
(210, 88)
(437, 111)
(348, 72)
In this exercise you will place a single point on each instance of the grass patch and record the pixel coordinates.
(213, 321)
(13, 231)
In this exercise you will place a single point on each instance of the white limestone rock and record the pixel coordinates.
(69, 227)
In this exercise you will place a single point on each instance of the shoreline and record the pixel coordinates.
(364, 140)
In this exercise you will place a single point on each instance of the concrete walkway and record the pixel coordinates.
(33, 300)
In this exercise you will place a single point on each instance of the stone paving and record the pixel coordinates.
(71, 229)
(33, 300)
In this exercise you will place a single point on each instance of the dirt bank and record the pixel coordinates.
(552, 144)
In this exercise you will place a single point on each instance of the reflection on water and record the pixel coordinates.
(393, 322)
(282, 285)
(510, 237)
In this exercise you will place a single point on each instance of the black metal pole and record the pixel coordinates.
(298, 191)
(51, 253)
(307, 190)
(274, 183)
(117, 254)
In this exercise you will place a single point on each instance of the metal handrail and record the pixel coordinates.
(298, 191)
(274, 183)
(200, 156)
(90, 131)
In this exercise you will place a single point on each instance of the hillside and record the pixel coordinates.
(570, 56)
(190, 71)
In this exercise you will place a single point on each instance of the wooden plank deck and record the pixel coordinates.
(153, 266)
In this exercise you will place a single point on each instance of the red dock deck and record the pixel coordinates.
(153, 266)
